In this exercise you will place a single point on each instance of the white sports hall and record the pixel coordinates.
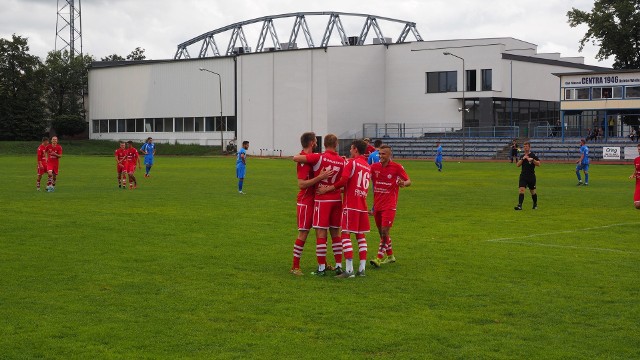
(367, 85)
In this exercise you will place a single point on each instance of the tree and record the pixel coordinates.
(68, 125)
(614, 25)
(66, 83)
(22, 111)
(112, 57)
(137, 54)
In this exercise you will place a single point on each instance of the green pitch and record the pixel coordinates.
(184, 267)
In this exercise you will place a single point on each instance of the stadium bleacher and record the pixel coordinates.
(498, 148)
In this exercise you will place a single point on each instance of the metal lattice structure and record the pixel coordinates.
(69, 27)
(238, 41)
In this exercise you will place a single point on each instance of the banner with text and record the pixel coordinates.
(610, 153)
(626, 79)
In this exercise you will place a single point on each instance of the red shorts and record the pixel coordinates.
(41, 168)
(384, 218)
(53, 167)
(120, 168)
(327, 214)
(131, 168)
(305, 216)
(636, 195)
(355, 221)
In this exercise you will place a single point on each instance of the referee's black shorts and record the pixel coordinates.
(527, 181)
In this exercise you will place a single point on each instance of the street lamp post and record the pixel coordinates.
(462, 109)
(220, 91)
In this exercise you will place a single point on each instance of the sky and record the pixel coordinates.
(158, 26)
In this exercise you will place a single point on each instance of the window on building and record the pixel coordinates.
(104, 126)
(131, 125)
(168, 124)
(487, 81)
(199, 124)
(470, 79)
(632, 92)
(159, 124)
(113, 126)
(220, 124)
(122, 125)
(606, 92)
(209, 124)
(576, 94)
(582, 94)
(139, 125)
(178, 125)
(442, 81)
(148, 125)
(188, 124)
(232, 123)
(96, 126)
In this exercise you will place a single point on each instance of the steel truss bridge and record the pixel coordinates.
(238, 41)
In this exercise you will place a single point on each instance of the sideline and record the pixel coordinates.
(513, 240)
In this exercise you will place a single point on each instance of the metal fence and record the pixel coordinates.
(403, 130)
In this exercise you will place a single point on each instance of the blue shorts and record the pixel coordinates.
(148, 160)
(583, 167)
(241, 171)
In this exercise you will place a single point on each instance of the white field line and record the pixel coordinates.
(513, 240)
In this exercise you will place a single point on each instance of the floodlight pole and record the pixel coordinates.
(220, 92)
(463, 108)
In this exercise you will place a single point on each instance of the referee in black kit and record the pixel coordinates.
(528, 161)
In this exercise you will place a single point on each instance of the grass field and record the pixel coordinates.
(184, 267)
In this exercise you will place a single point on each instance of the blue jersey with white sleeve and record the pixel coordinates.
(148, 149)
(584, 150)
(239, 157)
(374, 157)
(439, 152)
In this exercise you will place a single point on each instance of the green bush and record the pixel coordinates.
(68, 125)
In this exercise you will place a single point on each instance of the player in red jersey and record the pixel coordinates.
(133, 158)
(54, 153)
(636, 175)
(305, 200)
(370, 148)
(387, 177)
(41, 159)
(327, 207)
(355, 217)
(121, 159)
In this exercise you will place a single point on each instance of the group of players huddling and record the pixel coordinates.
(333, 199)
(127, 157)
(48, 158)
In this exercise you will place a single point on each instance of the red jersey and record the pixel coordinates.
(132, 156)
(636, 163)
(329, 160)
(121, 154)
(42, 156)
(53, 152)
(385, 184)
(357, 174)
(305, 172)
(369, 150)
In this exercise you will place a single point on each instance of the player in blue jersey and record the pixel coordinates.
(438, 156)
(583, 163)
(374, 157)
(241, 165)
(149, 151)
